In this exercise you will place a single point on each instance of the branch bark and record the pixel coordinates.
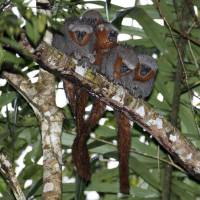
(41, 97)
(8, 173)
(136, 109)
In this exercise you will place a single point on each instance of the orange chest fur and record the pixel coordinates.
(102, 40)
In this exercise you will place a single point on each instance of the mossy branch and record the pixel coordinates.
(169, 137)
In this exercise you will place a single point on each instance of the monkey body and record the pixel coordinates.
(81, 48)
(94, 41)
(123, 66)
(106, 39)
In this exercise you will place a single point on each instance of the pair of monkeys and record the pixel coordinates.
(93, 41)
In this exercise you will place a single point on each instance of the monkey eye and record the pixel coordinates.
(77, 33)
(112, 35)
(83, 33)
(144, 70)
(124, 68)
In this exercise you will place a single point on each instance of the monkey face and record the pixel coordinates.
(144, 76)
(106, 36)
(120, 68)
(112, 35)
(76, 39)
(80, 34)
(147, 68)
(92, 17)
(61, 40)
(144, 73)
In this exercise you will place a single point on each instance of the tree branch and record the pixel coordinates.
(8, 173)
(41, 97)
(136, 109)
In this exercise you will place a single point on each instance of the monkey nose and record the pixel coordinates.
(80, 36)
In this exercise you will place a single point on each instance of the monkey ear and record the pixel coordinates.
(61, 40)
(129, 56)
(148, 61)
(92, 17)
(60, 37)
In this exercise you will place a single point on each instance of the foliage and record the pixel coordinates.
(19, 127)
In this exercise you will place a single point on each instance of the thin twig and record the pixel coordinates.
(179, 54)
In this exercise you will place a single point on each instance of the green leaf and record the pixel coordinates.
(130, 197)
(34, 187)
(144, 193)
(80, 186)
(108, 2)
(6, 98)
(42, 20)
(3, 186)
(14, 44)
(168, 11)
(187, 120)
(11, 42)
(11, 58)
(32, 31)
(105, 187)
(139, 168)
(1, 56)
(104, 131)
(67, 139)
(35, 28)
(104, 175)
(154, 31)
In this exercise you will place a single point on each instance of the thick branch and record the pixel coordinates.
(41, 97)
(7, 171)
(138, 110)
